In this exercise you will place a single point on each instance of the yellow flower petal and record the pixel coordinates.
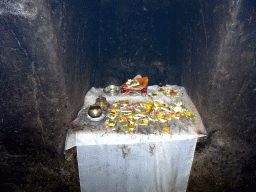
(131, 129)
(158, 103)
(148, 107)
(166, 129)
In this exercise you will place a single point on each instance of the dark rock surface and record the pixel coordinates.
(52, 52)
(219, 75)
(44, 76)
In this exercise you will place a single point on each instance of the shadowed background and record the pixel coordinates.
(52, 52)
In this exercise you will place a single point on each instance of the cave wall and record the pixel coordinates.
(53, 51)
(219, 73)
(46, 60)
(138, 37)
(46, 67)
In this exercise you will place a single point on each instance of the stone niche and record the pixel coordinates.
(53, 52)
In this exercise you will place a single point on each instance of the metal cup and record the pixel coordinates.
(95, 111)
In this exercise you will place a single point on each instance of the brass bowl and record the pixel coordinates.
(94, 111)
(102, 102)
(112, 90)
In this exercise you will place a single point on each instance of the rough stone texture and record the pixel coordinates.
(219, 74)
(52, 52)
(44, 77)
(136, 37)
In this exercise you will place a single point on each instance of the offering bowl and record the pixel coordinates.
(112, 89)
(94, 111)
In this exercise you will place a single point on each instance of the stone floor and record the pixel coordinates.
(37, 170)
(34, 168)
